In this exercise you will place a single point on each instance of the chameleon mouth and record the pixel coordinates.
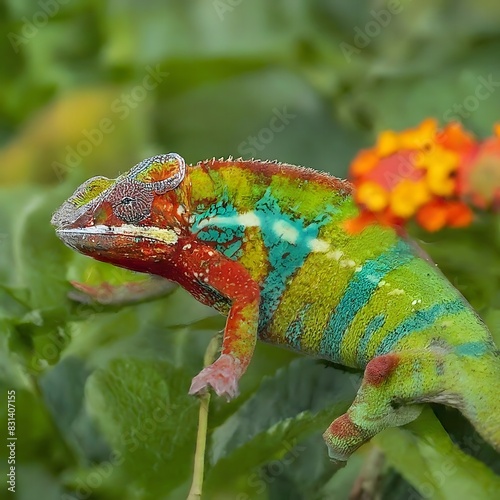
(107, 237)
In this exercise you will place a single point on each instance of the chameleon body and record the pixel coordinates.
(264, 243)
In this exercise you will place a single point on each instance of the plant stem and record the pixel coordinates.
(366, 484)
(201, 439)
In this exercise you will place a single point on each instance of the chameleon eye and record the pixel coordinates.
(131, 202)
(160, 173)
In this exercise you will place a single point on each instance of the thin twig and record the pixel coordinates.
(366, 484)
(201, 439)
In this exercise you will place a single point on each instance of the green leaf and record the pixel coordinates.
(299, 400)
(426, 457)
(144, 412)
(43, 258)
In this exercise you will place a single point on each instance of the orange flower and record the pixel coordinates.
(459, 214)
(455, 138)
(407, 197)
(419, 138)
(365, 161)
(387, 143)
(432, 216)
(439, 213)
(373, 196)
(441, 165)
(479, 175)
(428, 174)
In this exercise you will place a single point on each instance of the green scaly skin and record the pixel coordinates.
(264, 243)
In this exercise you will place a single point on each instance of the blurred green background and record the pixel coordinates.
(91, 88)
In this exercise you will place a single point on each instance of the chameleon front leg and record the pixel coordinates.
(393, 387)
(231, 280)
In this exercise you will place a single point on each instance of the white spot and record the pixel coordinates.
(317, 245)
(181, 210)
(286, 231)
(210, 253)
(335, 254)
(187, 246)
(248, 219)
(358, 269)
(347, 263)
(381, 283)
(397, 291)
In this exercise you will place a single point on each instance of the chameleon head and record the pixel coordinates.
(126, 220)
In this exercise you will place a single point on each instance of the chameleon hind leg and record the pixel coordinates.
(393, 388)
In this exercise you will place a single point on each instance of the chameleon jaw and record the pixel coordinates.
(105, 237)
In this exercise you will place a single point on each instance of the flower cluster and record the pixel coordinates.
(430, 174)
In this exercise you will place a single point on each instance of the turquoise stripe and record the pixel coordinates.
(472, 349)
(375, 324)
(228, 237)
(358, 292)
(285, 257)
(418, 321)
(295, 329)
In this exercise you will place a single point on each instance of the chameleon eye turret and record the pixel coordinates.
(160, 173)
(131, 202)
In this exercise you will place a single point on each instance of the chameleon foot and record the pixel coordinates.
(342, 438)
(388, 397)
(222, 376)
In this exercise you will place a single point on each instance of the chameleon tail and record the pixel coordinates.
(475, 382)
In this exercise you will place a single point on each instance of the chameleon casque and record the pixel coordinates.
(264, 244)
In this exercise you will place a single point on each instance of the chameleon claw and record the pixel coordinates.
(222, 376)
(335, 459)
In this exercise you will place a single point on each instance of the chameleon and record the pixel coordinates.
(265, 244)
